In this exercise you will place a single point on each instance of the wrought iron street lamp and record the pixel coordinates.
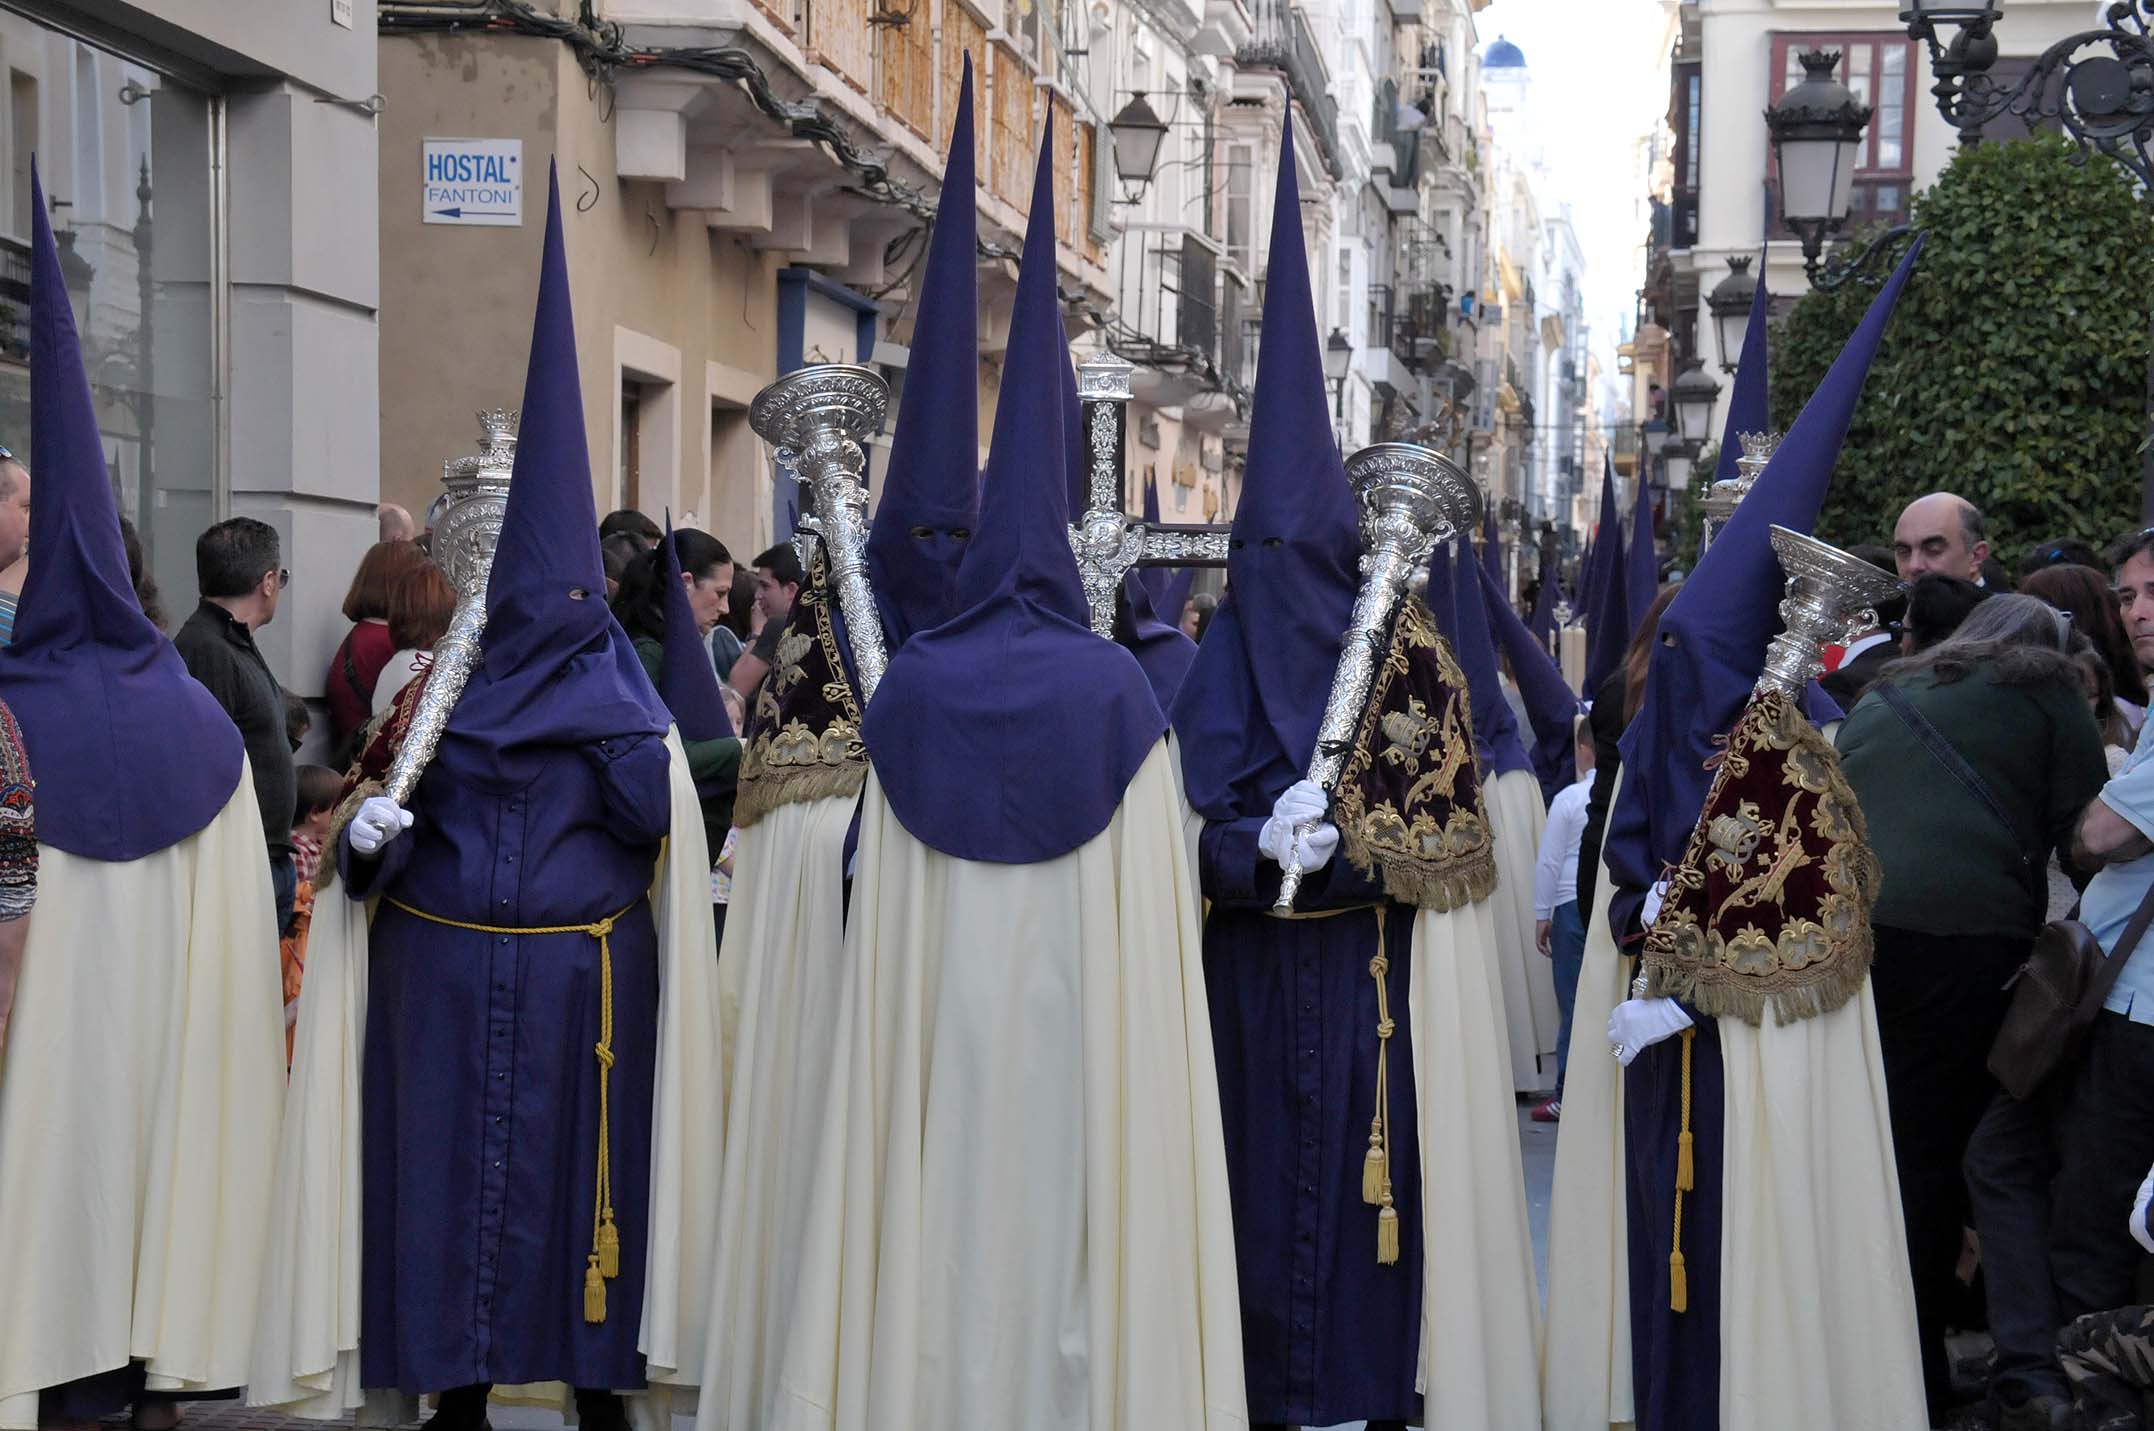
(1138, 131)
(1338, 360)
(1656, 435)
(1730, 303)
(1692, 400)
(1816, 130)
(1675, 464)
(2097, 85)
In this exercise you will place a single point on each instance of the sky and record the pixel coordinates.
(1596, 89)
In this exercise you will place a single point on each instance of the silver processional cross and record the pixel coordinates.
(1107, 541)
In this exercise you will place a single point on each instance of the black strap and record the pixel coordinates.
(1953, 762)
(2105, 978)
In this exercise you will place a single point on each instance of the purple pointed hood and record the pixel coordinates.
(1491, 545)
(1607, 593)
(1248, 713)
(1543, 623)
(929, 504)
(1551, 704)
(687, 682)
(1455, 599)
(130, 754)
(1008, 733)
(1748, 407)
(1710, 646)
(554, 667)
(1641, 563)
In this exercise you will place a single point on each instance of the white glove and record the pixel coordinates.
(2140, 1234)
(1635, 1025)
(379, 821)
(1653, 899)
(1303, 800)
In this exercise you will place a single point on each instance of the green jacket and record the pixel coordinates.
(713, 764)
(1951, 867)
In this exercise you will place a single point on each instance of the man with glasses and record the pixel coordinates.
(237, 568)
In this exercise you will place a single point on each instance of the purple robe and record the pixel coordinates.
(481, 1102)
(1328, 1334)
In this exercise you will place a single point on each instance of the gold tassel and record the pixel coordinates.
(594, 1293)
(1374, 1166)
(609, 1247)
(1387, 1235)
(1686, 1172)
(1678, 1284)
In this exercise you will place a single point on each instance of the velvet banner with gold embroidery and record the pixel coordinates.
(1771, 903)
(803, 740)
(1408, 803)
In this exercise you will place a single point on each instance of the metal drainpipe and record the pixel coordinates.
(220, 307)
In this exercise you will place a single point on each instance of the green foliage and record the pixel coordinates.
(2015, 369)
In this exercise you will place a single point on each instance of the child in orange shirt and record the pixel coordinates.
(319, 787)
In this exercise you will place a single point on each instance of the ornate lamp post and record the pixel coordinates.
(1138, 131)
(1692, 401)
(1816, 131)
(2098, 85)
(1729, 303)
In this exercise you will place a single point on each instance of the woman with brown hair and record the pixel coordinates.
(420, 605)
(367, 647)
(1613, 706)
(2087, 597)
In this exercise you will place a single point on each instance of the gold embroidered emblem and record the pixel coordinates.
(1408, 804)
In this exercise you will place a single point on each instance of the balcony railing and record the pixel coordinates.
(1281, 40)
(1168, 297)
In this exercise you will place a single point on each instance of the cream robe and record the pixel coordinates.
(1818, 1327)
(780, 973)
(1585, 1357)
(1479, 1320)
(1031, 1221)
(139, 1103)
(307, 1342)
(1516, 817)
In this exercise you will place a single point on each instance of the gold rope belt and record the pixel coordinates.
(1376, 1164)
(604, 1261)
(1686, 1175)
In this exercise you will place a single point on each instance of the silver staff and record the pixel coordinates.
(822, 415)
(1107, 542)
(462, 545)
(1411, 498)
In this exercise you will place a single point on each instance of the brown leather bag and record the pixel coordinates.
(2056, 997)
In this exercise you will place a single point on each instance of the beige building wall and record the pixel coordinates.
(662, 303)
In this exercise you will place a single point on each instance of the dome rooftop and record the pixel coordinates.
(1503, 55)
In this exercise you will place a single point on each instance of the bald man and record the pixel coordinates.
(396, 523)
(1941, 533)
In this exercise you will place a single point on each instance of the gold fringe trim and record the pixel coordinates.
(769, 790)
(1437, 885)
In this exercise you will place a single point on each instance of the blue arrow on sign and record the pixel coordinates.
(450, 213)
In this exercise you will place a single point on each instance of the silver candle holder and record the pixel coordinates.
(1723, 497)
(1411, 498)
(824, 415)
(1830, 598)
